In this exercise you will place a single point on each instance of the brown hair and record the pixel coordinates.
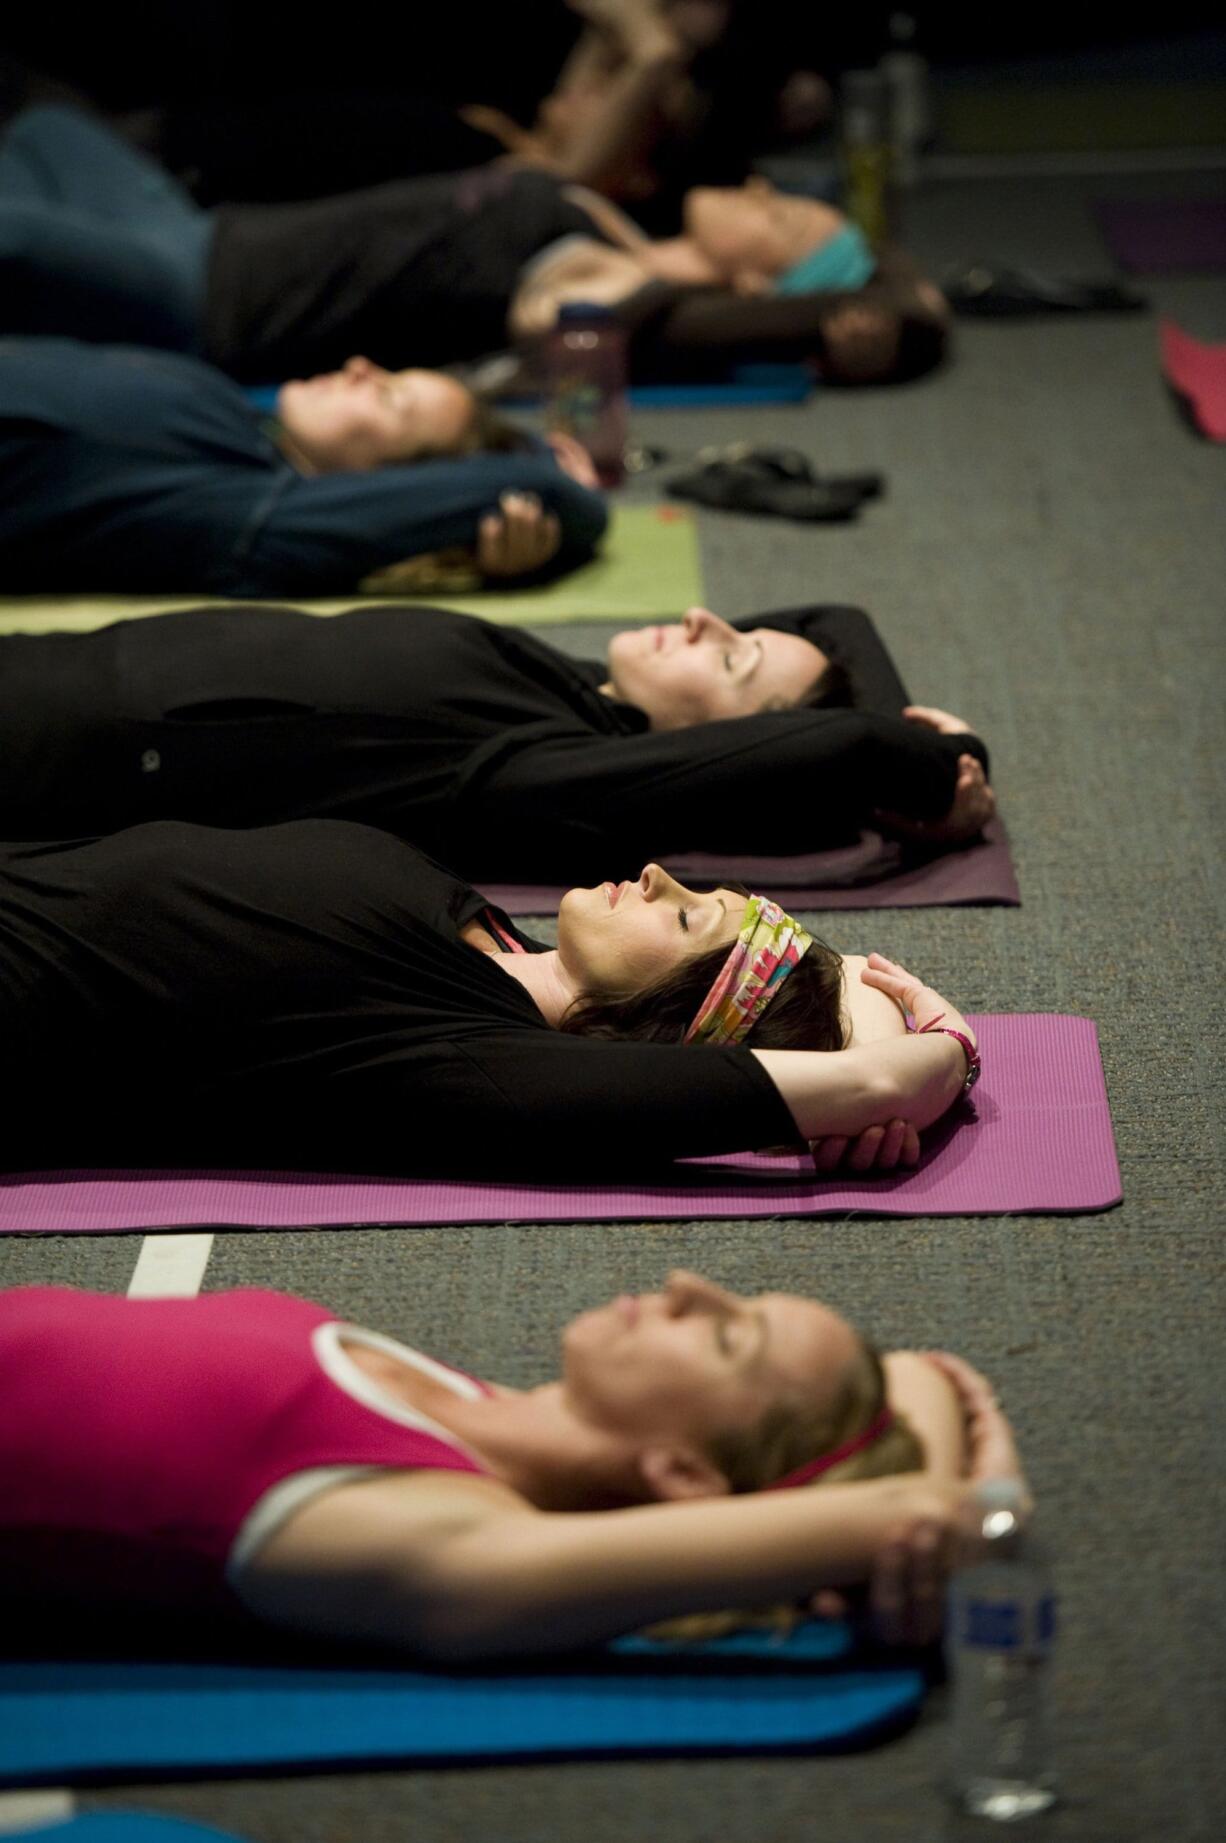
(806, 1012)
(832, 688)
(789, 1434)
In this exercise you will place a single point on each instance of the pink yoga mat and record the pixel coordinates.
(1198, 372)
(1035, 1136)
(871, 874)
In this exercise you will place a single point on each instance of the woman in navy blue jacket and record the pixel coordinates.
(148, 472)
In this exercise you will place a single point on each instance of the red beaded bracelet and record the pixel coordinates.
(974, 1068)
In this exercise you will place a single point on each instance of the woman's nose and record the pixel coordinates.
(687, 1292)
(701, 624)
(655, 882)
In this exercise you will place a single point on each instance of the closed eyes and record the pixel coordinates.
(683, 915)
(730, 661)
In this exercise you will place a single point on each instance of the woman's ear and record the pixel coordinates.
(674, 1473)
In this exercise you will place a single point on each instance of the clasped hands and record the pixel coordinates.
(521, 537)
(906, 1592)
(895, 1145)
(973, 803)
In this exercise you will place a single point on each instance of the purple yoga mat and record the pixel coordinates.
(1165, 236)
(871, 874)
(1036, 1135)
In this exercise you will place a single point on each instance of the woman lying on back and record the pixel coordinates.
(98, 243)
(133, 471)
(249, 1455)
(321, 996)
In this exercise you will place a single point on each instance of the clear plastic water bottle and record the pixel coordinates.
(865, 153)
(910, 104)
(1002, 1624)
(585, 376)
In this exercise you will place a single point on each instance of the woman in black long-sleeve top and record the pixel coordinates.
(322, 996)
(99, 243)
(480, 743)
(125, 470)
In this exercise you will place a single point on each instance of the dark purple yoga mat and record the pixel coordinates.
(1036, 1136)
(1165, 236)
(872, 874)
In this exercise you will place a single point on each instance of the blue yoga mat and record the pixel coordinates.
(746, 384)
(73, 1720)
(121, 1827)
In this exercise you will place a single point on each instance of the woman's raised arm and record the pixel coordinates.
(914, 1078)
(457, 1569)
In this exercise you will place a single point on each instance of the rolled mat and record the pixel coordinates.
(1197, 373)
(73, 1720)
(1035, 1135)
(874, 873)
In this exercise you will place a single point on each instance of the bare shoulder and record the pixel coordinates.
(332, 1561)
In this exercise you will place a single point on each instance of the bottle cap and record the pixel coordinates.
(1000, 1494)
(1000, 1502)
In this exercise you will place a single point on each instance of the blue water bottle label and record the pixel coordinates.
(1005, 1625)
(995, 1623)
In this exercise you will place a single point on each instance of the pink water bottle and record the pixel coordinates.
(585, 376)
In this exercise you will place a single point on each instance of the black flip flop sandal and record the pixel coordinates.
(989, 291)
(777, 482)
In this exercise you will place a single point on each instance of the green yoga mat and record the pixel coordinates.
(647, 567)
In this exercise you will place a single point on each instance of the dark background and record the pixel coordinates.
(156, 51)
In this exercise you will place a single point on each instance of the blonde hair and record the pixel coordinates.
(486, 432)
(791, 1433)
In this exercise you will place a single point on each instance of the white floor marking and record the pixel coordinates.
(170, 1266)
(23, 1810)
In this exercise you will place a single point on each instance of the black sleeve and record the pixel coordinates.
(546, 1103)
(849, 636)
(770, 785)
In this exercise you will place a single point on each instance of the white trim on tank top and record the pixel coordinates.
(274, 1508)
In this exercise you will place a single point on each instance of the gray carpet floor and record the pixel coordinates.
(1050, 562)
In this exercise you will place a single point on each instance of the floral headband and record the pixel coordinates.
(769, 945)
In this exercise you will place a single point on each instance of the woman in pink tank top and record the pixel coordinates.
(249, 1454)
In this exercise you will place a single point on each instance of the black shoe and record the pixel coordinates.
(988, 291)
(779, 482)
